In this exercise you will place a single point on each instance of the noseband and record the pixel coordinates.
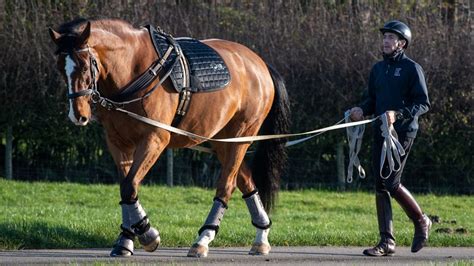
(92, 88)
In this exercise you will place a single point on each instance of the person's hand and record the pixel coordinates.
(391, 117)
(357, 114)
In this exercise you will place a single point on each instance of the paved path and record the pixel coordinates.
(238, 256)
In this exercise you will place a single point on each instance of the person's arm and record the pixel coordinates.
(419, 102)
(368, 105)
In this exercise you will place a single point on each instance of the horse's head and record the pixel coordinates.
(78, 66)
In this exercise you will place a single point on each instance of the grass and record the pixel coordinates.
(66, 215)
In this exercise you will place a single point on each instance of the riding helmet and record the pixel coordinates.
(399, 28)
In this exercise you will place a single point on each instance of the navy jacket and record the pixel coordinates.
(398, 84)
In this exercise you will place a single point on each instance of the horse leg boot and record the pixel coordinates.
(386, 245)
(135, 223)
(208, 231)
(421, 222)
(260, 220)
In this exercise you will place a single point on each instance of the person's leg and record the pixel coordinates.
(386, 245)
(408, 203)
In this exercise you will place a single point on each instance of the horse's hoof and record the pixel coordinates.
(123, 247)
(260, 249)
(120, 252)
(198, 251)
(153, 245)
(150, 240)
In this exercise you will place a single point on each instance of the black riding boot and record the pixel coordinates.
(421, 221)
(386, 245)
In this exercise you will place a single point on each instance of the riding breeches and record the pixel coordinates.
(391, 183)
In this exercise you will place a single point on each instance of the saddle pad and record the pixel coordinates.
(208, 72)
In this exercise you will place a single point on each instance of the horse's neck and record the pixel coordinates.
(125, 61)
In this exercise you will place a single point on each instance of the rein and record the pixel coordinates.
(354, 139)
(392, 150)
(355, 132)
(245, 139)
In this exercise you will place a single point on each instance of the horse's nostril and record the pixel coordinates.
(83, 119)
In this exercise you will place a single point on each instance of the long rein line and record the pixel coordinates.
(392, 150)
(244, 139)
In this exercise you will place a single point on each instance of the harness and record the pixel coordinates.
(140, 83)
(191, 65)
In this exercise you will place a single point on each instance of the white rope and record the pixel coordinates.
(287, 144)
(355, 130)
(298, 141)
(239, 139)
(354, 139)
(392, 150)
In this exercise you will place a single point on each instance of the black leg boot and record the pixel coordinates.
(421, 221)
(386, 246)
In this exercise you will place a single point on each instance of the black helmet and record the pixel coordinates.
(399, 28)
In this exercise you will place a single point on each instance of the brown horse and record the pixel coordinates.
(99, 58)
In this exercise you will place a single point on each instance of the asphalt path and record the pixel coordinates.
(239, 256)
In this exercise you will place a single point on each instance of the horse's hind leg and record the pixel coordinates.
(259, 216)
(231, 157)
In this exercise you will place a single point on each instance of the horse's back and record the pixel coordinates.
(249, 73)
(244, 102)
(232, 49)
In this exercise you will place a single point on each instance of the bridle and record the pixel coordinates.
(141, 82)
(92, 88)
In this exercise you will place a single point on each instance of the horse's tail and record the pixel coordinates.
(270, 157)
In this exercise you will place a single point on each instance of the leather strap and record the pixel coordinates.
(354, 138)
(392, 150)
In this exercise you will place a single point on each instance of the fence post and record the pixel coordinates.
(169, 167)
(341, 175)
(9, 153)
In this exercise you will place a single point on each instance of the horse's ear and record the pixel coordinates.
(54, 35)
(85, 34)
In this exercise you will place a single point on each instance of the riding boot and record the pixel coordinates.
(386, 245)
(421, 221)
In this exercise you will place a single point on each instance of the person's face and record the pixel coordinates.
(391, 42)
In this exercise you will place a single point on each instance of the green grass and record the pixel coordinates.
(65, 215)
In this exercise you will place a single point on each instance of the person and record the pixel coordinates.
(397, 88)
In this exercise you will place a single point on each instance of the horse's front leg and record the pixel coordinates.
(135, 221)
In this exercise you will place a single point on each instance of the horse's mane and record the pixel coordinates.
(71, 30)
(75, 26)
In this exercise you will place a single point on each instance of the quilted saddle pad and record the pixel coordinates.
(208, 72)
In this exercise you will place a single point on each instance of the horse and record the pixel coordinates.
(99, 59)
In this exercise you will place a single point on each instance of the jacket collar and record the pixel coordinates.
(395, 56)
